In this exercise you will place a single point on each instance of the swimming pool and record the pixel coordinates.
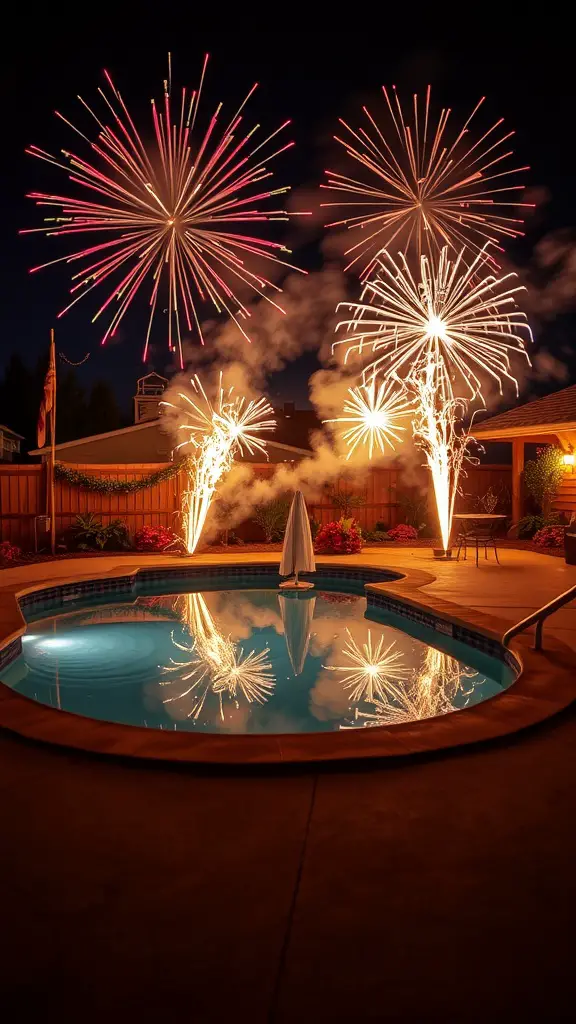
(233, 655)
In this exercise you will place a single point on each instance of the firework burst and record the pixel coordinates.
(372, 414)
(470, 326)
(169, 213)
(214, 432)
(422, 185)
(372, 668)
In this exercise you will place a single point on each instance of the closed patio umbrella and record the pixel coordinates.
(297, 612)
(297, 551)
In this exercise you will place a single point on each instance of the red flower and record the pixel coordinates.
(403, 532)
(339, 538)
(154, 538)
(9, 552)
(549, 537)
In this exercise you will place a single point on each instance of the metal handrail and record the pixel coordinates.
(539, 618)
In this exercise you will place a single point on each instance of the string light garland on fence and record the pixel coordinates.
(105, 485)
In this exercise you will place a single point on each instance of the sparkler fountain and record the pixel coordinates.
(215, 433)
(441, 336)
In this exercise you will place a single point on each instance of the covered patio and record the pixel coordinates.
(548, 420)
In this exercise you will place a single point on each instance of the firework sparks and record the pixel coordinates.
(169, 213)
(471, 326)
(215, 433)
(435, 431)
(422, 185)
(372, 415)
(442, 335)
(372, 670)
(432, 692)
(214, 664)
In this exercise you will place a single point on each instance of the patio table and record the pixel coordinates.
(486, 523)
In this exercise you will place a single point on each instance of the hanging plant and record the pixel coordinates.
(102, 485)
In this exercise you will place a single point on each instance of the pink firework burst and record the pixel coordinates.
(168, 214)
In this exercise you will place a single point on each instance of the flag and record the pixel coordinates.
(47, 403)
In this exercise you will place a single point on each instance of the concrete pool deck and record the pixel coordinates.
(438, 888)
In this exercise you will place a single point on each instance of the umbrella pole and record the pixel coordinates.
(296, 579)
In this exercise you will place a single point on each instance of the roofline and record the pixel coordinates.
(10, 431)
(141, 426)
(94, 437)
(289, 448)
(504, 433)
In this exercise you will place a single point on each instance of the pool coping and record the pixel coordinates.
(546, 684)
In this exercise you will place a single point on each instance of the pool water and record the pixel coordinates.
(247, 661)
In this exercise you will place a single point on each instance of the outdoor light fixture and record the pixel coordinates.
(568, 459)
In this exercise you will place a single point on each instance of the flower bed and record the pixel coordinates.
(403, 533)
(154, 538)
(549, 537)
(339, 538)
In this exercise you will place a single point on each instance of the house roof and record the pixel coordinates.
(544, 415)
(8, 430)
(144, 426)
(95, 437)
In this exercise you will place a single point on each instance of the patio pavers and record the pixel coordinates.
(424, 889)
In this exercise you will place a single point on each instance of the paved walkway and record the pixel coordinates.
(437, 889)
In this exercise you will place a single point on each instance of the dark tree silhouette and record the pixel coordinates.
(103, 412)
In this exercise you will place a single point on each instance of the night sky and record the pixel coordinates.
(312, 76)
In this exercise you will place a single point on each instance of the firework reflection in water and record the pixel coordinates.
(430, 692)
(214, 664)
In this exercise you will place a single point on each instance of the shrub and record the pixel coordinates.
(89, 533)
(543, 476)
(380, 526)
(272, 517)
(9, 552)
(549, 537)
(377, 535)
(345, 500)
(339, 538)
(154, 538)
(531, 524)
(403, 532)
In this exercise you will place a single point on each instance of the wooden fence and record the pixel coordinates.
(384, 491)
(23, 496)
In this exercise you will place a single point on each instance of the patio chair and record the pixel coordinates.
(479, 536)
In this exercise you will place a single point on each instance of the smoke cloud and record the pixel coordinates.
(306, 324)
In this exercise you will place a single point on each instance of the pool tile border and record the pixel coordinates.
(545, 685)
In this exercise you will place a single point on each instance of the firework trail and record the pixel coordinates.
(168, 214)
(423, 186)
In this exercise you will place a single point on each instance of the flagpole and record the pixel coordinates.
(53, 448)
